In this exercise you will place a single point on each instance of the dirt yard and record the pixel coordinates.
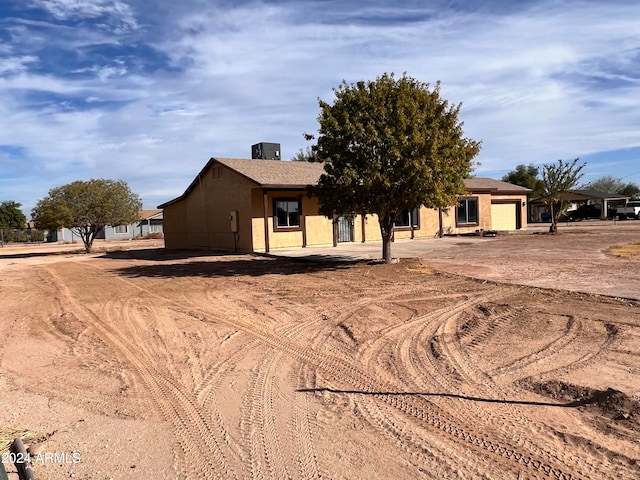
(146, 364)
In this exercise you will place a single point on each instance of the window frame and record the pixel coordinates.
(414, 220)
(287, 228)
(126, 230)
(468, 223)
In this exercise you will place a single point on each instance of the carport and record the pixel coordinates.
(606, 201)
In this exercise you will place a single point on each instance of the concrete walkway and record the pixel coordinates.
(576, 259)
(443, 247)
(373, 250)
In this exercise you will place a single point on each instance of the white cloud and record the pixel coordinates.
(558, 80)
(119, 13)
(12, 65)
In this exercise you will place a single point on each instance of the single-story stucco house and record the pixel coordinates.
(255, 205)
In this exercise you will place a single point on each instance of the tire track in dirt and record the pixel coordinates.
(542, 358)
(417, 407)
(539, 435)
(424, 451)
(483, 385)
(337, 370)
(258, 423)
(353, 379)
(191, 427)
(305, 446)
(427, 346)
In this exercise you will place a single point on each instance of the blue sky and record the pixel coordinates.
(147, 91)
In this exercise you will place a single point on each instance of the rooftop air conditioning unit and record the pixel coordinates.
(266, 151)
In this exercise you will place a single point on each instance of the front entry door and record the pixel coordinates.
(345, 229)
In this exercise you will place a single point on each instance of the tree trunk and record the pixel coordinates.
(554, 221)
(87, 235)
(386, 228)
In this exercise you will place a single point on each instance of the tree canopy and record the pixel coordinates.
(308, 155)
(390, 145)
(86, 207)
(557, 180)
(609, 184)
(11, 218)
(526, 176)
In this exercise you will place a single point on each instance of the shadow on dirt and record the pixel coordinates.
(610, 403)
(16, 256)
(172, 264)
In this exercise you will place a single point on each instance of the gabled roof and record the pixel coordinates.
(495, 186)
(276, 173)
(299, 175)
(147, 214)
(264, 173)
(599, 194)
(580, 195)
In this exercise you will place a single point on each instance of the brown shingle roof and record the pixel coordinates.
(290, 174)
(145, 214)
(276, 173)
(476, 184)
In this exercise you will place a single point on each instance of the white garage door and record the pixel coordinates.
(503, 216)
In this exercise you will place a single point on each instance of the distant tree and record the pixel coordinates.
(630, 190)
(606, 184)
(390, 145)
(87, 207)
(557, 180)
(609, 184)
(11, 218)
(308, 155)
(526, 176)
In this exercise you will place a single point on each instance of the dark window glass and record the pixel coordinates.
(407, 218)
(468, 211)
(287, 213)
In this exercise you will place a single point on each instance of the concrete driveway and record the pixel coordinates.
(575, 259)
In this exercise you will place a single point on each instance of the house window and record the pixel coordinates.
(121, 229)
(408, 219)
(287, 213)
(467, 211)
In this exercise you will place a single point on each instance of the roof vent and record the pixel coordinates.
(265, 151)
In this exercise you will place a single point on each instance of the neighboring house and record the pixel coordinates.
(605, 202)
(256, 205)
(150, 222)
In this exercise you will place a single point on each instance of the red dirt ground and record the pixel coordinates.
(150, 364)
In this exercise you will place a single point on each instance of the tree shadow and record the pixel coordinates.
(171, 264)
(9, 256)
(598, 397)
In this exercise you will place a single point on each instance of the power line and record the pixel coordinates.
(630, 175)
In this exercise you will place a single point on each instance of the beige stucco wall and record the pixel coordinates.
(175, 226)
(318, 228)
(201, 220)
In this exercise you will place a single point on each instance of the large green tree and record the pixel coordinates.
(11, 218)
(390, 145)
(609, 184)
(558, 178)
(86, 207)
(526, 176)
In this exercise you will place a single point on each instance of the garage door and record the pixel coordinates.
(503, 216)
